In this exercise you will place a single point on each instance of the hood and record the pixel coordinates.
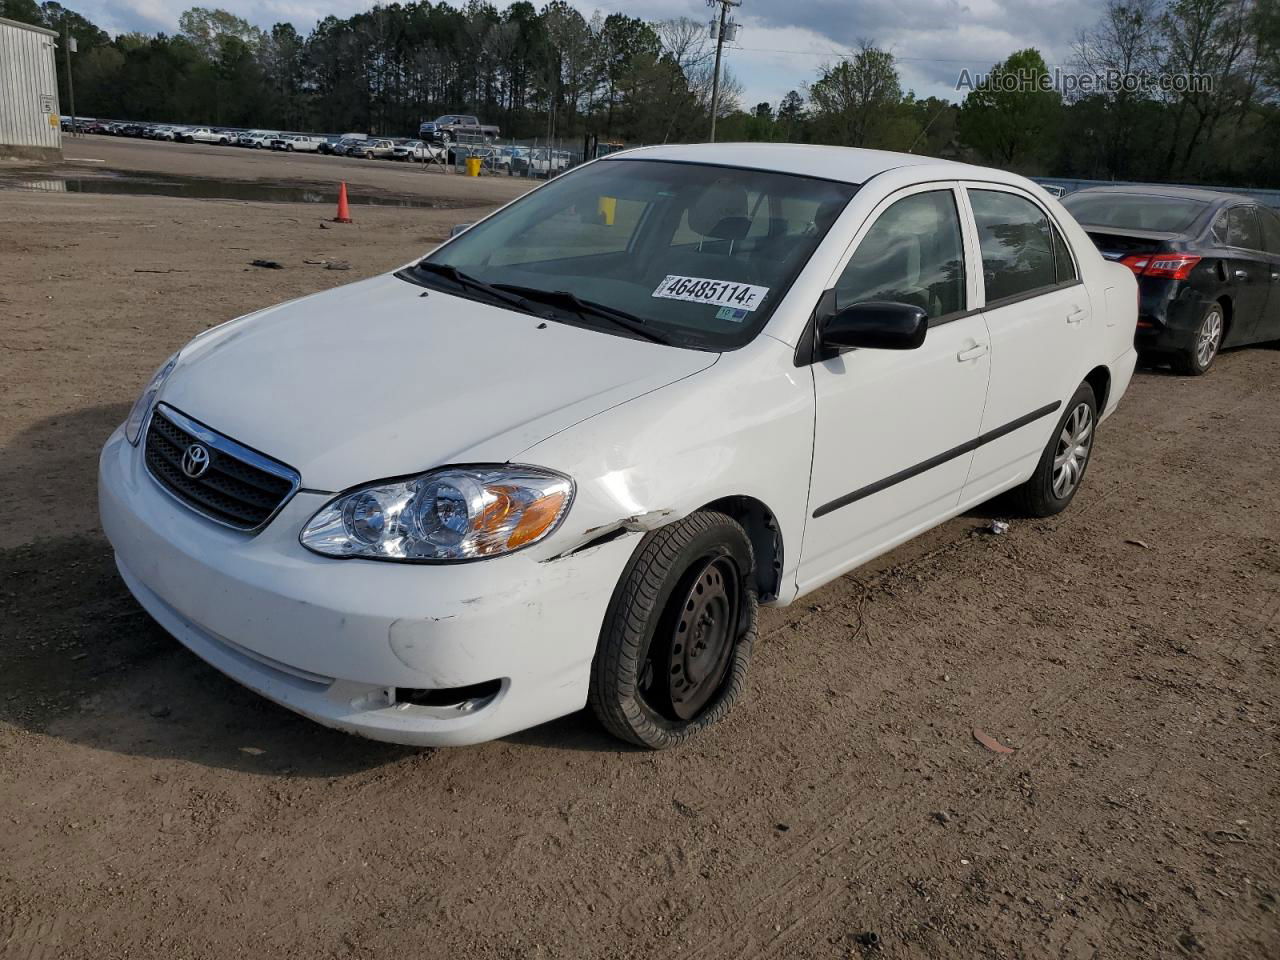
(376, 380)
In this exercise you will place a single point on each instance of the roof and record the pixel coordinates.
(847, 164)
(27, 26)
(1163, 190)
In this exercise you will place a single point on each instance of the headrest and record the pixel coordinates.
(730, 228)
(716, 207)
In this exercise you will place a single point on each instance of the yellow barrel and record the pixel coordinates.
(473, 166)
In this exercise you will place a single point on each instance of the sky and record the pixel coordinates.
(782, 44)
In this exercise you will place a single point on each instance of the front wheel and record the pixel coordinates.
(1062, 465)
(678, 633)
(1195, 359)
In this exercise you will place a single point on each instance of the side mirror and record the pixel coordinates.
(875, 325)
(459, 228)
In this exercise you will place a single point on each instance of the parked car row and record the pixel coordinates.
(440, 142)
(359, 145)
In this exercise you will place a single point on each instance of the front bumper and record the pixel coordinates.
(334, 639)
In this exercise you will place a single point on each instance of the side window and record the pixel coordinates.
(1064, 267)
(1017, 246)
(912, 254)
(1219, 228)
(1242, 228)
(1270, 231)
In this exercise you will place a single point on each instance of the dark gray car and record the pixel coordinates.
(1208, 266)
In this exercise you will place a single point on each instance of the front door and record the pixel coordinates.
(894, 429)
(1269, 327)
(1249, 275)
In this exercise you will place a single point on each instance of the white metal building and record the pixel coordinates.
(29, 126)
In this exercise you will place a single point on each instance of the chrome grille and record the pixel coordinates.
(238, 487)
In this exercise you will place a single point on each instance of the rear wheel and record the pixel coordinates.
(1062, 466)
(1197, 357)
(677, 637)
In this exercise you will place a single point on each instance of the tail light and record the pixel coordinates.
(1172, 266)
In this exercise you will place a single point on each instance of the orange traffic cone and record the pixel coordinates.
(344, 212)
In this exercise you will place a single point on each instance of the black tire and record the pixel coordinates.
(1041, 496)
(660, 600)
(1195, 359)
(288, 148)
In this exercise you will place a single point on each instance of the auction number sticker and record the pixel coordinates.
(720, 293)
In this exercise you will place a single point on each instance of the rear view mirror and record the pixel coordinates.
(876, 325)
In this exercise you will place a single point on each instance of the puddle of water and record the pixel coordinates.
(207, 188)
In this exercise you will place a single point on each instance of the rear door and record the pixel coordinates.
(1040, 318)
(1249, 279)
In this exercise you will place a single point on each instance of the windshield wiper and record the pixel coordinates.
(450, 272)
(566, 298)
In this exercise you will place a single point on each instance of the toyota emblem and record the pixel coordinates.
(195, 460)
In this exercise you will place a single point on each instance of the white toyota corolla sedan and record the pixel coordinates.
(562, 458)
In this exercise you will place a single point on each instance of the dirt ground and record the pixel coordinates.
(1127, 650)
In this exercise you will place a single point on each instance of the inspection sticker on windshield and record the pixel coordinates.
(723, 293)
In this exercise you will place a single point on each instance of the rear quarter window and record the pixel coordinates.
(1064, 266)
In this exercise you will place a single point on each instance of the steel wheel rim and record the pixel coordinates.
(1074, 444)
(1208, 338)
(692, 651)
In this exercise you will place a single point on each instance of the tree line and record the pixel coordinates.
(555, 73)
(534, 73)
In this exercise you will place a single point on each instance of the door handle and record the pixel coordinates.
(1076, 315)
(972, 353)
(1275, 276)
(1241, 274)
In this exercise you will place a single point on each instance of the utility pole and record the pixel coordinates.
(719, 31)
(71, 91)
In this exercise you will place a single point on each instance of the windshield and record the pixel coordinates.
(1135, 211)
(700, 255)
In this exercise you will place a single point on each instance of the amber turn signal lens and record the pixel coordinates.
(538, 517)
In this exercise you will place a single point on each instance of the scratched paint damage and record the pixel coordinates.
(595, 537)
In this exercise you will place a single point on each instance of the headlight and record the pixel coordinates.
(451, 514)
(142, 406)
